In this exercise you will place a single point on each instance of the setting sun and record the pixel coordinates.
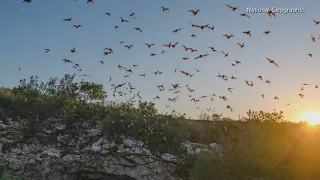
(313, 118)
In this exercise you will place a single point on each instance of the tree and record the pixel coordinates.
(264, 116)
(92, 91)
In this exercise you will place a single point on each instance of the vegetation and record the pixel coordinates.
(259, 146)
(4, 174)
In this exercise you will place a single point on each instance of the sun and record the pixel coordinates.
(312, 118)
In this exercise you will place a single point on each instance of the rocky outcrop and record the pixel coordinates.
(54, 153)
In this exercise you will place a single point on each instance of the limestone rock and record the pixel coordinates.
(54, 153)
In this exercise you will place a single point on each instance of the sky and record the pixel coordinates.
(28, 28)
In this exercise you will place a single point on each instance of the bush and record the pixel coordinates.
(208, 166)
(4, 174)
(263, 146)
(259, 146)
(76, 102)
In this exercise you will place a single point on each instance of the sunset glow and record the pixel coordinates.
(313, 118)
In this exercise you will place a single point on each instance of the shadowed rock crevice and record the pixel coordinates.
(85, 175)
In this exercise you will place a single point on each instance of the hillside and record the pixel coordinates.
(38, 117)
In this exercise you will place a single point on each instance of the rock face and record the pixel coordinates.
(54, 153)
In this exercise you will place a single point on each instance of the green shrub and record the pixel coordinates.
(265, 148)
(4, 174)
(76, 102)
(209, 166)
(259, 146)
